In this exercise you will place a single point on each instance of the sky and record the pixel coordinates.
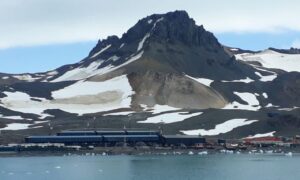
(40, 35)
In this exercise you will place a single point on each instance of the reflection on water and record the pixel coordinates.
(209, 167)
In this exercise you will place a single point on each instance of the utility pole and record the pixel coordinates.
(94, 118)
(50, 128)
(88, 125)
(125, 144)
(129, 120)
(160, 127)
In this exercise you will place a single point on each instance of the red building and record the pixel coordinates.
(263, 140)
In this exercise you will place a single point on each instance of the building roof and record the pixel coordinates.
(181, 136)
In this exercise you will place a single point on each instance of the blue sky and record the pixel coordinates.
(42, 35)
(42, 58)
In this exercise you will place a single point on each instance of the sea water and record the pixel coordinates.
(146, 167)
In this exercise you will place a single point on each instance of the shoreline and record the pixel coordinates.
(144, 152)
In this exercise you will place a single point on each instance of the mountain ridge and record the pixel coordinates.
(165, 69)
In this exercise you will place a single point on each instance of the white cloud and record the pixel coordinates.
(36, 22)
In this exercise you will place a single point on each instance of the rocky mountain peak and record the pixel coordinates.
(173, 27)
(179, 27)
(171, 43)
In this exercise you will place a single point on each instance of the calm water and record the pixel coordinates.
(184, 167)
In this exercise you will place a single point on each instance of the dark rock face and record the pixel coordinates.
(287, 51)
(174, 90)
(179, 27)
(284, 90)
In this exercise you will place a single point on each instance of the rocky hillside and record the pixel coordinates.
(164, 71)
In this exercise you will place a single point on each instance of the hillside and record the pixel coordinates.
(164, 71)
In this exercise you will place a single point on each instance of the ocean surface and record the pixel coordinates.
(174, 167)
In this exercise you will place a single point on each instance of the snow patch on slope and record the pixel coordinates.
(248, 97)
(14, 117)
(247, 80)
(21, 102)
(252, 102)
(123, 113)
(170, 117)
(159, 108)
(80, 98)
(157, 21)
(101, 51)
(269, 134)
(266, 78)
(288, 109)
(81, 72)
(272, 59)
(121, 45)
(92, 88)
(92, 70)
(205, 81)
(16, 126)
(113, 58)
(141, 43)
(265, 95)
(221, 128)
(26, 77)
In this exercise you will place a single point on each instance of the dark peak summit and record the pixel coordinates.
(146, 24)
(179, 27)
(172, 27)
(110, 40)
